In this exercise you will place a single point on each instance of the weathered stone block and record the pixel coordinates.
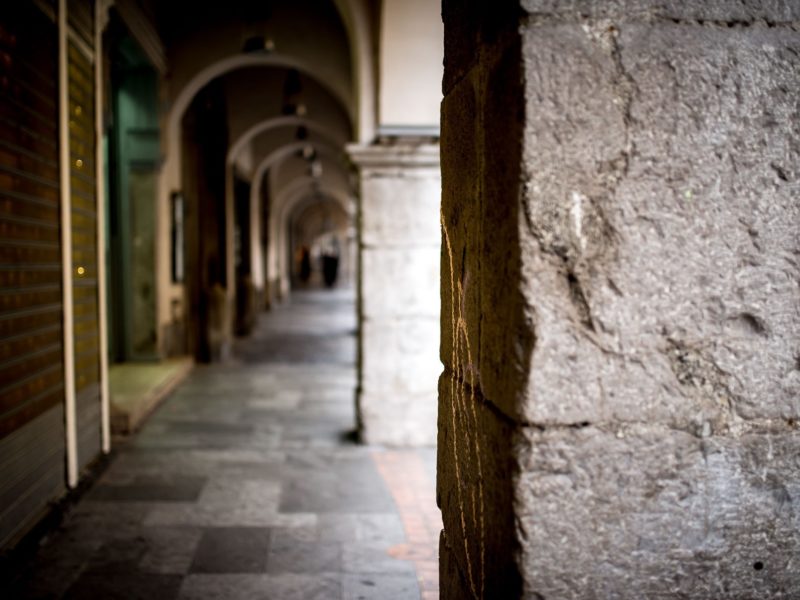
(400, 281)
(475, 467)
(739, 12)
(399, 371)
(725, 205)
(460, 230)
(400, 358)
(480, 201)
(451, 583)
(645, 512)
(472, 29)
(506, 338)
(401, 210)
(392, 418)
(633, 261)
(621, 188)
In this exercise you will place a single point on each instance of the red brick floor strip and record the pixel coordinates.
(414, 492)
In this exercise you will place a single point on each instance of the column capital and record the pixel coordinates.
(394, 153)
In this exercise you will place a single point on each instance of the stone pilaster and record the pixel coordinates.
(398, 291)
(621, 316)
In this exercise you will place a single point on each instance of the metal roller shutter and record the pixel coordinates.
(31, 345)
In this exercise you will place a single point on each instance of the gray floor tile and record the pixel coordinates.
(147, 489)
(208, 427)
(169, 549)
(380, 586)
(294, 556)
(289, 586)
(372, 558)
(380, 528)
(232, 550)
(333, 485)
(95, 584)
(119, 555)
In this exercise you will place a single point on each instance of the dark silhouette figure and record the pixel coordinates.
(330, 269)
(305, 264)
(330, 262)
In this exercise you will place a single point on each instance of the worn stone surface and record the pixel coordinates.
(454, 584)
(647, 511)
(407, 341)
(398, 293)
(163, 489)
(647, 260)
(400, 281)
(639, 213)
(483, 348)
(739, 12)
(661, 272)
(379, 411)
(287, 586)
(482, 307)
(232, 550)
(473, 31)
(366, 587)
(391, 213)
(474, 490)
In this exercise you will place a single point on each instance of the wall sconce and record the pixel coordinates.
(258, 43)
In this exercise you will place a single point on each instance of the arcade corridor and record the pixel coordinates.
(245, 484)
(571, 229)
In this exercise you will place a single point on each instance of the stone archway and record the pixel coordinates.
(360, 100)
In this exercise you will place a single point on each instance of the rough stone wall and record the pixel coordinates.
(620, 299)
(398, 294)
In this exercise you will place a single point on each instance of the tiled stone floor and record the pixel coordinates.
(244, 484)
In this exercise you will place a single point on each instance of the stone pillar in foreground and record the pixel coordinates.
(398, 291)
(620, 306)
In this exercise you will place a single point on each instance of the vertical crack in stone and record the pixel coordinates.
(625, 87)
(477, 449)
(456, 460)
(580, 301)
(459, 414)
(606, 34)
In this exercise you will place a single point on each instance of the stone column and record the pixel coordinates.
(398, 291)
(620, 307)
